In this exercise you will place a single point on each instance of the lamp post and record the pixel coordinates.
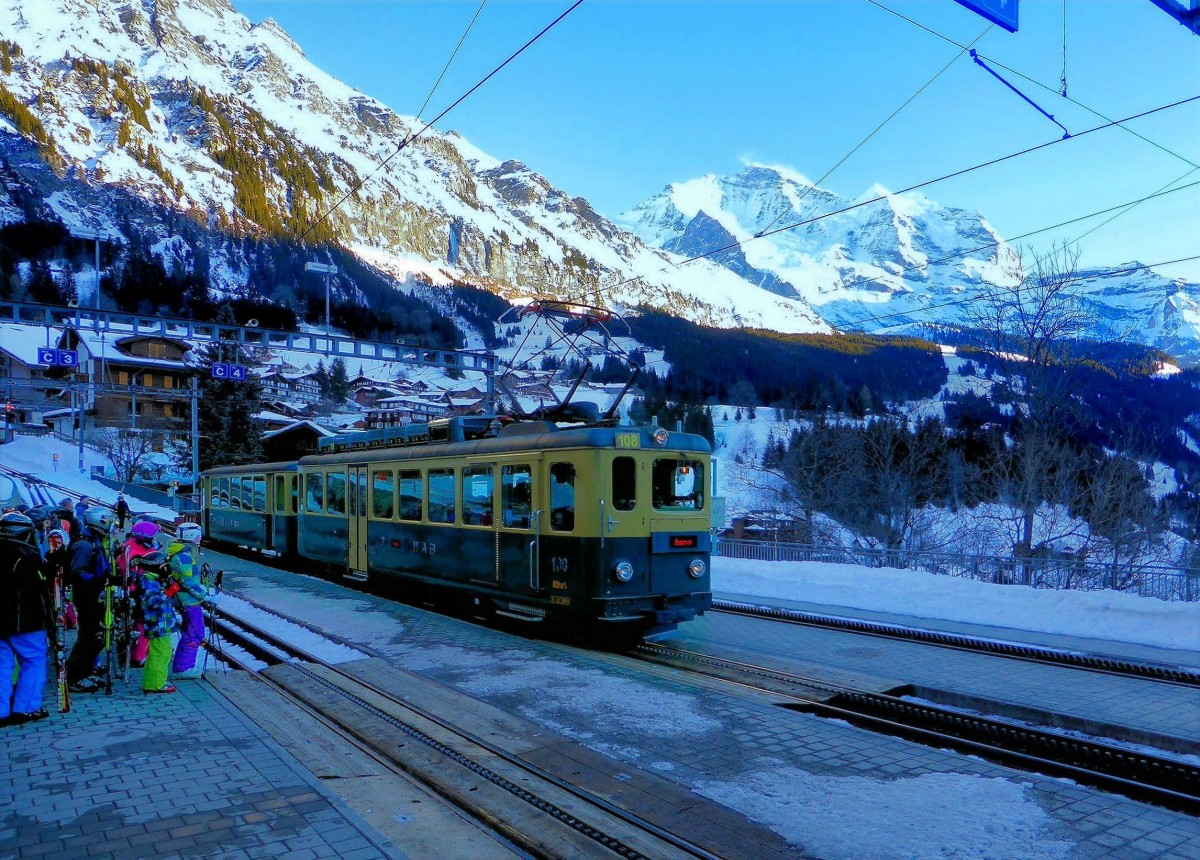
(327, 269)
(133, 384)
(97, 236)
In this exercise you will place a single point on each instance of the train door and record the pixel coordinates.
(356, 510)
(518, 524)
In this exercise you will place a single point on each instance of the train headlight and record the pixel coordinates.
(623, 571)
(697, 568)
(660, 436)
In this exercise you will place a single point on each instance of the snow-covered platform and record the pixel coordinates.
(182, 775)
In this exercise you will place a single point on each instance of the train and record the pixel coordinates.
(530, 519)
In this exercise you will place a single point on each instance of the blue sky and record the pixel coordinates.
(623, 97)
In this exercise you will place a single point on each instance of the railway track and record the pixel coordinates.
(369, 714)
(1018, 651)
(1134, 773)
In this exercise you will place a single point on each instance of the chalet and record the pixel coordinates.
(293, 441)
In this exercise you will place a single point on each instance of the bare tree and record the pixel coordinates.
(127, 449)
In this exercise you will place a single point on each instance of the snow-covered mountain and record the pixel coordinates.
(884, 266)
(216, 124)
(186, 104)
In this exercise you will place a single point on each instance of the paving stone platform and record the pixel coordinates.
(170, 776)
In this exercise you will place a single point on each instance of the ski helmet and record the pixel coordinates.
(154, 563)
(98, 518)
(143, 531)
(56, 535)
(16, 526)
(189, 533)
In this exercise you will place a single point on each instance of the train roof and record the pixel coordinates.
(251, 468)
(525, 437)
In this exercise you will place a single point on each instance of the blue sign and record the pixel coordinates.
(232, 372)
(58, 357)
(1001, 12)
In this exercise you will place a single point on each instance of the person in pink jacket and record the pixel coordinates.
(141, 542)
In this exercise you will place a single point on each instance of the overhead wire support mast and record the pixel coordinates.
(979, 62)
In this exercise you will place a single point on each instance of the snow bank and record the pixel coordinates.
(1092, 614)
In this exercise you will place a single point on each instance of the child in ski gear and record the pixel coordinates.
(158, 618)
(24, 617)
(88, 573)
(191, 596)
(141, 543)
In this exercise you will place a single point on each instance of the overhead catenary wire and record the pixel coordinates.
(1000, 159)
(453, 54)
(409, 139)
(1033, 80)
(879, 127)
(1136, 203)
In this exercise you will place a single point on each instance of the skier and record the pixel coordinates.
(122, 511)
(55, 566)
(192, 594)
(88, 573)
(67, 520)
(142, 542)
(159, 619)
(81, 509)
(24, 617)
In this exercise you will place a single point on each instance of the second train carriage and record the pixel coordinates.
(607, 523)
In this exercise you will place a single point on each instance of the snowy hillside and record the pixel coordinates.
(904, 258)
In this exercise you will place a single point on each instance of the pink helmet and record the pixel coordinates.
(143, 531)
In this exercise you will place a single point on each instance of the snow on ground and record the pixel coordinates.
(34, 455)
(1106, 615)
(295, 634)
(934, 815)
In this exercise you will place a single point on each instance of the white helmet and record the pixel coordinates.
(189, 533)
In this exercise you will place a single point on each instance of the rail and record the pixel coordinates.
(1145, 580)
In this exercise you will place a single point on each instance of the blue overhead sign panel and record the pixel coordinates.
(58, 357)
(232, 372)
(1001, 12)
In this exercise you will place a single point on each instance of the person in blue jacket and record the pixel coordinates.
(25, 616)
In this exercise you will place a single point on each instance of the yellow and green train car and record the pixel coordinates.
(533, 520)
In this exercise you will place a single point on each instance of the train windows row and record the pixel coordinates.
(247, 493)
(466, 496)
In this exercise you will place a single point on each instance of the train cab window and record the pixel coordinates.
(260, 493)
(477, 496)
(294, 483)
(383, 494)
(335, 493)
(314, 493)
(624, 483)
(410, 495)
(562, 497)
(678, 485)
(441, 495)
(280, 494)
(516, 496)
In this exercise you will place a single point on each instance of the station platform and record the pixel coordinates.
(175, 775)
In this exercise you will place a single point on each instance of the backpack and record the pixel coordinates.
(101, 566)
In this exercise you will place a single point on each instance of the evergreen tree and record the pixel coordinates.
(230, 432)
(339, 381)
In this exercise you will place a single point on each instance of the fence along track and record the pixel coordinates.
(1015, 650)
(275, 650)
(1134, 774)
(1145, 580)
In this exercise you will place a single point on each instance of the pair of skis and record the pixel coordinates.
(60, 643)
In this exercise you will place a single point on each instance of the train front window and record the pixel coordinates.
(678, 485)
(410, 495)
(382, 495)
(314, 492)
(335, 493)
(477, 495)
(624, 483)
(516, 496)
(441, 495)
(280, 494)
(562, 497)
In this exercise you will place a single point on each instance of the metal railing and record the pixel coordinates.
(1146, 580)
